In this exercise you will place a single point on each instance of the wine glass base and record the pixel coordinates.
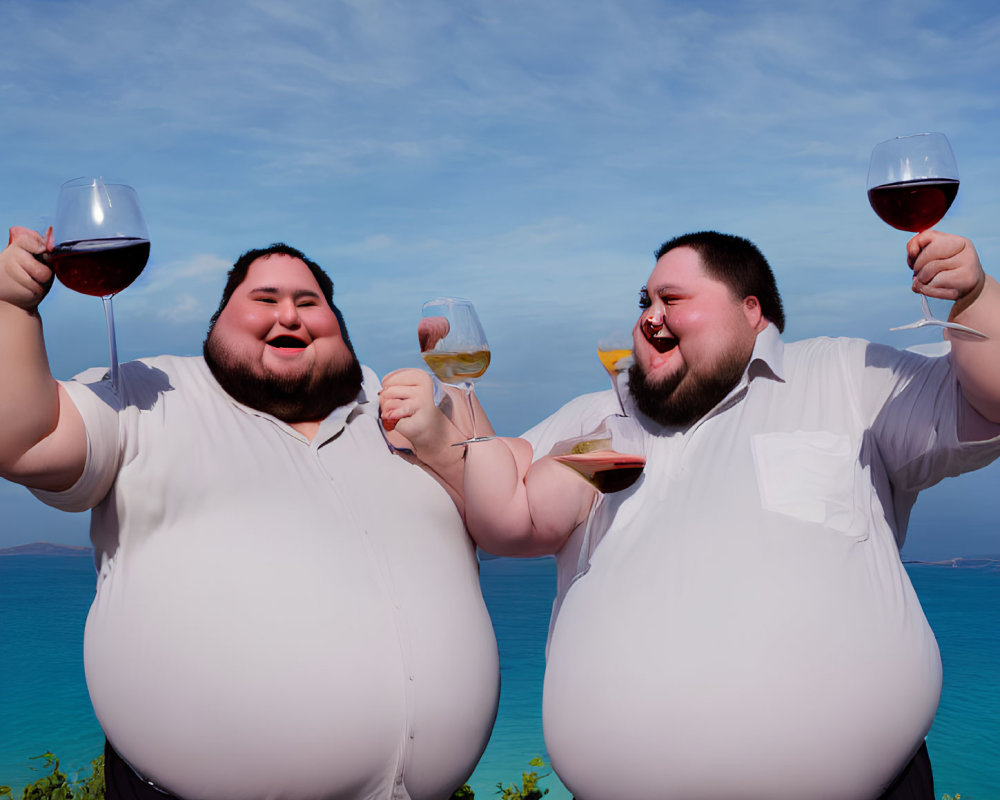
(930, 319)
(473, 440)
(920, 323)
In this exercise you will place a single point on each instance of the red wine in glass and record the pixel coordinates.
(913, 205)
(99, 267)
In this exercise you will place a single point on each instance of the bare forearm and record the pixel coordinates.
(977, 361)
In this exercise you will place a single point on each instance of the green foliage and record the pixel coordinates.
(951, 797)
(55, 786)
(529, 785)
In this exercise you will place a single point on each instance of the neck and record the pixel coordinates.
(307, 429)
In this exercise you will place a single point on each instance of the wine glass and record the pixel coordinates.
(607, 457)
(101, 244)
(453, 344)
(615, 354)
(912, 182)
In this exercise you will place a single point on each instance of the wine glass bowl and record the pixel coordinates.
(609, 457)
(101, 244)
(913, 180)
(453, 345)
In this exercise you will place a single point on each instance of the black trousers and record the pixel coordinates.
(121, 782)
(915, 782)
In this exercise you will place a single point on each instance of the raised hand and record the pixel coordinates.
(945, 266)
(406, 403)
(24, 279)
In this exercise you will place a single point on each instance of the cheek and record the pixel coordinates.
(252, 321)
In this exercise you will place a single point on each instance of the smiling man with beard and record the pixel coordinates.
(285, 606)
(737, 623)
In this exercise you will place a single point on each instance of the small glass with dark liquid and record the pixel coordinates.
(596, 456)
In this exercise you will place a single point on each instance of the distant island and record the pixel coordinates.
(46, 549)
(973, 562)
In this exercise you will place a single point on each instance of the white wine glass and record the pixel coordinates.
(453, 345)
(101, 244)
(615, 354)
(912, 182)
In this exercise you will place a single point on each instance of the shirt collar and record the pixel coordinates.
(768, 357)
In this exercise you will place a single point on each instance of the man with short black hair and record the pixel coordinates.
(737, 623)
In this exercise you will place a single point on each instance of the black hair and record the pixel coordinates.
(738, 263)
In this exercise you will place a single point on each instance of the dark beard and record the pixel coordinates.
(304, 398)
(684, 397)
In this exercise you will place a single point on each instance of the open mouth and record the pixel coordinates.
(662, 341)
(286, 343)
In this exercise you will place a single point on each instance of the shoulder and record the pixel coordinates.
(142, 383)
(826, 346)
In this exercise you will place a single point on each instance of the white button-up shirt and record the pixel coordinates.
(738, 623)
(276, 617)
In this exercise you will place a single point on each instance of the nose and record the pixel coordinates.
(288, 313)
(652, 321)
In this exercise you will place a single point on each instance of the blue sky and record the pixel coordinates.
(527, 155)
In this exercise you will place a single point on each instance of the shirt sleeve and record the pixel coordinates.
(99, 407)
(917, 408)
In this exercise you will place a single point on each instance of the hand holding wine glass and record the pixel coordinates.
(101, 244)
(912, 182)
(453, 345)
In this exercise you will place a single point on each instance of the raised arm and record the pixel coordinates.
(947, 266)
(42, 440)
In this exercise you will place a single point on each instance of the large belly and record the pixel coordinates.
(227, 668)
(742, 684)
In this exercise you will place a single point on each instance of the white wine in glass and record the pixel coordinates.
(912, 182)
(454, 347)
(101, 244)
(615, 354)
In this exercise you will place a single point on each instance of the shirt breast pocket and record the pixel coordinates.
(810, 476)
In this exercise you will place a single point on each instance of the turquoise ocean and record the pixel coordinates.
(44, 704)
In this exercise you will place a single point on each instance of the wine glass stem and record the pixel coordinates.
(467, 388)
(618, 394)
(112, 344)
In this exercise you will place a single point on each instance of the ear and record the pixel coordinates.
(753, 313)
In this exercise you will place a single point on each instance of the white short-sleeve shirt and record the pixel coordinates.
(275, 617)
(738, 623)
